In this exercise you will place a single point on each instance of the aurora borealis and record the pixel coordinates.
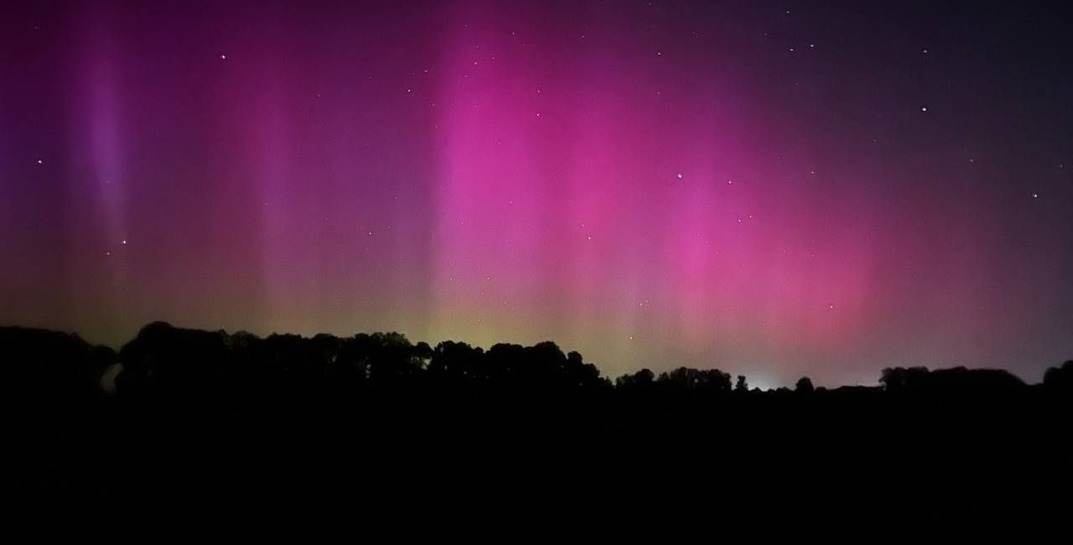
(771, 188)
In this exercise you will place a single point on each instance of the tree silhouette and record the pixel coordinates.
(1059, 379)
(377, 406)
(741, 385)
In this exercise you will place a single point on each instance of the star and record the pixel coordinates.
(730, 182)
(223, 57)
(1035, 195)
(923, 108)
(679, 176)
(123, 242)
(924, 51)
(40, 161)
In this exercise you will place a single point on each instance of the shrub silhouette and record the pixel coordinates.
(1059, 380)
(47, 367)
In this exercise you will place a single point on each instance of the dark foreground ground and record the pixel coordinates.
(181, 421)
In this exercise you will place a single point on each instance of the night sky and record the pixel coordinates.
(771, 188)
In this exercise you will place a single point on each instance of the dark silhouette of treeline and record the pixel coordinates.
(165, 364)
(177, 413)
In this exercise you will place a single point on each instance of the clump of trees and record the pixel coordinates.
(164, 362)
(176, 414)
